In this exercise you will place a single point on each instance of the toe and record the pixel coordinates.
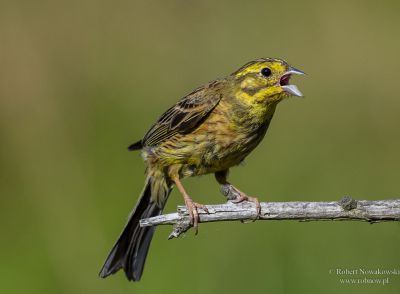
(240, 199)
(195, 220)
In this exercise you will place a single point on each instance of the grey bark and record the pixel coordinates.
(345, 209)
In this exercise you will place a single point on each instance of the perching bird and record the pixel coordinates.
(210, 130)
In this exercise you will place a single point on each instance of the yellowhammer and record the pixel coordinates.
(210, 130)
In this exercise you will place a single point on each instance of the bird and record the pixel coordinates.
(210, 130)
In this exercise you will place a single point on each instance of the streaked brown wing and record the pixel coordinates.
(186, 115)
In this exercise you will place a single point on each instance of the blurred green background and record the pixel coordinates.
(80, 80)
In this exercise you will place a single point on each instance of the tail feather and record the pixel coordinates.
(130, 251)
(135, 146)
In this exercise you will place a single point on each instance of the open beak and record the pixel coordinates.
(284, 82)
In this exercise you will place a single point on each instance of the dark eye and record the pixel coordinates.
(266, 72)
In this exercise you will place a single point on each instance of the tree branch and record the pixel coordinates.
(345, 209)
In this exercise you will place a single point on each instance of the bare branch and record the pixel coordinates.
(346, 209)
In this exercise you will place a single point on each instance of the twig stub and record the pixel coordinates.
(348, 203)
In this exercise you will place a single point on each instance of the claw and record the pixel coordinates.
(244, 197)
(193, 213)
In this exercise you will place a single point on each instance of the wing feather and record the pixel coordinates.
(185, 115)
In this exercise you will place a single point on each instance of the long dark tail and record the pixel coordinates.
(130, 250)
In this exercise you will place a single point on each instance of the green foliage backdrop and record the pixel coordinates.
(80, 80)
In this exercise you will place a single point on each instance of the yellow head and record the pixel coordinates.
(265, 80)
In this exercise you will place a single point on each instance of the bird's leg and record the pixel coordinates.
(234, 194)
(190, 205)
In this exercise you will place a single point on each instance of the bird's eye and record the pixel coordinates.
(266, 72)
